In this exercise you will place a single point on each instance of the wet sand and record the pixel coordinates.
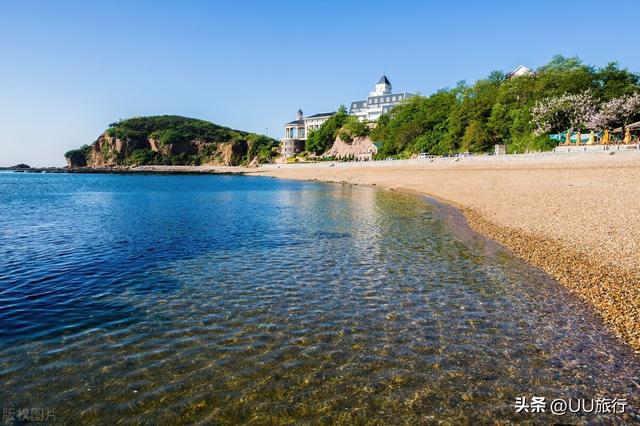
(573, 215)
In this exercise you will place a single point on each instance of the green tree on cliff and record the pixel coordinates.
(318, 141)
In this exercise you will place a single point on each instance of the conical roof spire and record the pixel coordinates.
(384, 80)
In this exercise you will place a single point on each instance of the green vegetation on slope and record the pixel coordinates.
(171, 129)
(353, 128)
(494, 110)
(318, 141)
(341, 124)
(180, 140)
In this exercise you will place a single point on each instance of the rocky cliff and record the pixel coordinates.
(172, 140)
(359, 148)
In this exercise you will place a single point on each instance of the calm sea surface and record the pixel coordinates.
(218, 299)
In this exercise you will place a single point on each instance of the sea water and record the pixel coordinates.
(222, 299)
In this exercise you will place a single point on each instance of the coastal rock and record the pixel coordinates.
(254, 163)
(182, 147)
(230, 153)
(76, 159)
(110, 151)
(358, 148)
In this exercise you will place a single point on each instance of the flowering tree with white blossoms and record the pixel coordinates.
(566, 112)
(601, 120)
(616, 112)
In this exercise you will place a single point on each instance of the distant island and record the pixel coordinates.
(20, 166)
(172, 140)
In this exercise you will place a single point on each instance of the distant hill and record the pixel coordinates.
(172, 140)
(20, 166)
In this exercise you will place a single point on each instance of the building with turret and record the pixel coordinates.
(379, 102)
(296, 131)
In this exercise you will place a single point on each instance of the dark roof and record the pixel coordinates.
(300, 111)
(384, 80)
(300, 122)
(322, 114)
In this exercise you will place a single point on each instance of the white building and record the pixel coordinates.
(379, 102)
(296, 132)
(313, 122)
(521, 70)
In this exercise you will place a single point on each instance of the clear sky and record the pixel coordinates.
(69, 68)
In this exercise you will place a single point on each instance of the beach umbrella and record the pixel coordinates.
(627, 136)
(567, 140)
(592, 138)
(579, 138)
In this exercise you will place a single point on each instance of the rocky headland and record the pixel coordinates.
(171, 140)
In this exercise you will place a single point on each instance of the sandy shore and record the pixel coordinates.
(574, 215)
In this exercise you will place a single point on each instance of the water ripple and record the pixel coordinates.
(208, 299)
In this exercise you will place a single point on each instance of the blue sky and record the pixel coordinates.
(69, 68)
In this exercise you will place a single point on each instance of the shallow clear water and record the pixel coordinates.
(220, 299)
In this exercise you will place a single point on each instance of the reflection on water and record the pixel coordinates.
(181, 299)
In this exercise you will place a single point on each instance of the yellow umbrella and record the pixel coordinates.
(627, 137)
(592, 138)
(606, 137)
(579, 138)
(567, 140)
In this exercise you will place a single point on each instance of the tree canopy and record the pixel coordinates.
(498, 110)
(171, 129)
(318, 141)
